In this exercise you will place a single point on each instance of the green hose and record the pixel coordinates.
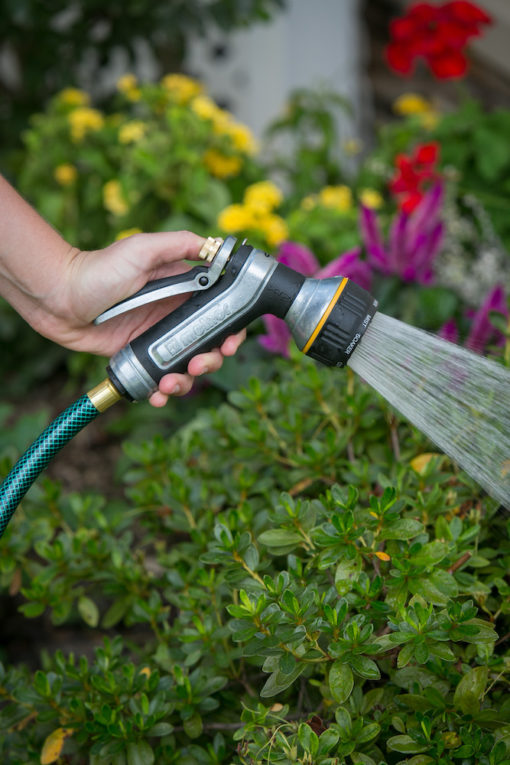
(52, 439)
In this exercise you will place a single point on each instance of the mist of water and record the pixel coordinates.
(460, 400)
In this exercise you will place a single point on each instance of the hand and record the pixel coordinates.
(94, 281)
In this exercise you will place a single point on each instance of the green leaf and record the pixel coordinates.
(160, 729)
(341, 681)
(193, 726)
(405, 528)
(280, 538)
(470, 690)
(485, 634)
(431, 554)
(278, 682)
(365, 667)
(405, 744)
(139, 753)
(115, 613)
(368, 732)
(308, 739)
(327, 740)
(405, 655)
(359, 758)
(32, 610)
(88, 611)
(346, 572)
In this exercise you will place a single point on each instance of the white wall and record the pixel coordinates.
(311, 43)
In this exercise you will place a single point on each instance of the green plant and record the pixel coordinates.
(293, 577)
(92, 33)
(163, 156)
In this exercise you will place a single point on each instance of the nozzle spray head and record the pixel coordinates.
(328, 318)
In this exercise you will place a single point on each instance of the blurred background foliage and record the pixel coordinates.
(79, 39)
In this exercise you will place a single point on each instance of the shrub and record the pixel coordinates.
(293, 577)
(161, 156)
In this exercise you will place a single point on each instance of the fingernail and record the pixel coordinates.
(205, 370)
(176, 389)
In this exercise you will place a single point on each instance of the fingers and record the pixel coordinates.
(171, 385)
(212, 361)
(232, 343)
(164, 247)
(181, 384)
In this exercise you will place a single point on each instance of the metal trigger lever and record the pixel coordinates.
(197, 279)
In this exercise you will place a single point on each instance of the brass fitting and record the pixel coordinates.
(104, 395)
(210, 248)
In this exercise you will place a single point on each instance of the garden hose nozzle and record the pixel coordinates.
(327, 318)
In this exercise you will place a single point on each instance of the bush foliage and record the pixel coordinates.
(292, 577)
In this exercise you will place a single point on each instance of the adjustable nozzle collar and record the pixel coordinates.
(329, 317)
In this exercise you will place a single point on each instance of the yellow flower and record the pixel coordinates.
(412, 104)
(336, 198)
(242, 137)
(263, 196)
(274, 229)
(181, 87)
(73, 97)
(84, 120)
(128, 232)
(132, 131)
(65, 174)
(113, 198)
(419, 464)
(220, 165)
(309, 202)
(205, 108)
(371, 198)
(128, 85)
(126, 82)
(235, 218)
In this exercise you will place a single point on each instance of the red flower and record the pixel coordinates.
(414, 175)
(436, 33)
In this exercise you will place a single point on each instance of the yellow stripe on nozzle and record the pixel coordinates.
(325, 315)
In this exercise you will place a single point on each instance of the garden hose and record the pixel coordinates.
(327, 318)
(61, 430)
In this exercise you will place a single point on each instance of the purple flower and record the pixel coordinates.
(414, 239)
(301, 259)
(483, 332)
(449, 331)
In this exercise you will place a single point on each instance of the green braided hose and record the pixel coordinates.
(38, 455)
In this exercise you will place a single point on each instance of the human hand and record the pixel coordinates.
(94, 281)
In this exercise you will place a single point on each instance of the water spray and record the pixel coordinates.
(328, 318)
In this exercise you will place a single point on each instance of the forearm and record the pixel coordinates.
(33, 256)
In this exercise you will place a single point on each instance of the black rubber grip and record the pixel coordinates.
(277, 297)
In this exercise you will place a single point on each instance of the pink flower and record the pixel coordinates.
(483, 332)
(449, 331)
(301, 259)
(415, 239)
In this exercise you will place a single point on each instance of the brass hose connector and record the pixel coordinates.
(210, 248)
(104, 395)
